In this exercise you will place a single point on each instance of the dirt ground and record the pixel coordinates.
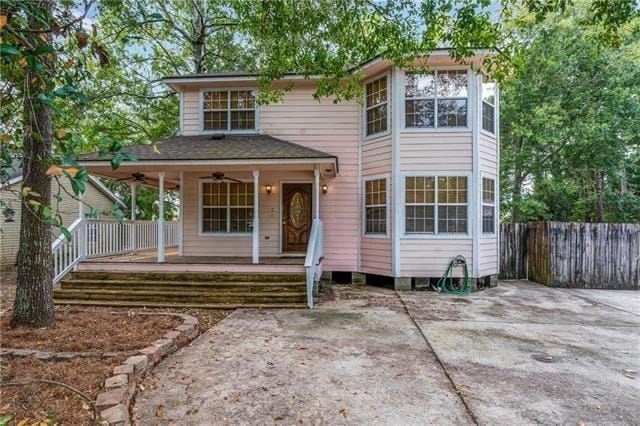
(77, 329)
(520, 353)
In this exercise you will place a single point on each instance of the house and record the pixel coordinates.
(97, 195)
(391, 188)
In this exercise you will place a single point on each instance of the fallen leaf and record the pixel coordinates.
(3, 21)
(344, 412)
(22, 422)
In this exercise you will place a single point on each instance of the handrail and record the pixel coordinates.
(66, 254)
(313, 259)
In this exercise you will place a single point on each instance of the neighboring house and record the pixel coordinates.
(402, 183)
(96, 195)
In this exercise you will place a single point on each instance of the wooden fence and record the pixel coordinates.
(573, 255)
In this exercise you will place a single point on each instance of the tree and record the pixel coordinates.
(570, 123)
(42, 59)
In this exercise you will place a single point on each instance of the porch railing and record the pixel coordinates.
(92, 238)
(313, 260)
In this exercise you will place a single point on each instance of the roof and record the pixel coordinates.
(230, 75)
(15, 176)
(229, 147)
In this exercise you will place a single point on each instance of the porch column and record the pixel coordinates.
(256, 218)
(181, 240)
(160, 217)
(134, 187)
(316, 194)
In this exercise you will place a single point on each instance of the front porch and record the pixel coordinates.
(173, 262)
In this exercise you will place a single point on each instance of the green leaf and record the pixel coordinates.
(7, 49)
(116, 161)
(4, 420)
(66, 233)
(155, 16)
(129, 156)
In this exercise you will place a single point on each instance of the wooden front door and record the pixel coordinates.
(296, 216)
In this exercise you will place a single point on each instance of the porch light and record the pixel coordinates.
(325, 188)
(268, 188)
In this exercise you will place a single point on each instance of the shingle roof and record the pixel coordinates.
(230, 147)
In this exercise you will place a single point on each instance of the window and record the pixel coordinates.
(376, 106)
(437, 99)
(436, 205)
(489, 107)
(229, 110)
(376, 206)
(227, 207)
(488, 206)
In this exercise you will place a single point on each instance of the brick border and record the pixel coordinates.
(113, 405)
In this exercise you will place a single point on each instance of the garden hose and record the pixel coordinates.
(449, 285)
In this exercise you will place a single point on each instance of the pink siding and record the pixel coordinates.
(436, 151)
(376, 156)
(429, 257)
(488, 153)
(332, 128)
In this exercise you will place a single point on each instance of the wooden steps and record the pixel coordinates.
(185, 290)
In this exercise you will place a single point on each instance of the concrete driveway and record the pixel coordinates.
(367, 356)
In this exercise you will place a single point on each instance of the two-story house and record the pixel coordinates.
(394, 186)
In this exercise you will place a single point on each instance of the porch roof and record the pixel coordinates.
(227, 148)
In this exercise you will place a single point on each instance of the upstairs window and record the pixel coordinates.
(436, 99)
(489, 107)
(376, 106)
(488, 206)
(376, 207)
(229, 110)
(227, 207)
(436, 204)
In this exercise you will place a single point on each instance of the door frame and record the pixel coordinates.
(281, 212)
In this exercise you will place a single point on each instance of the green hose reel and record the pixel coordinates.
(449, 285)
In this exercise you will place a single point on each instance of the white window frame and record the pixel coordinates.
(387, 206)
(202, 233)
(492, 177)
(495, 108)
(435, 129)
(364, 108)
(435, 235)
(256, 128)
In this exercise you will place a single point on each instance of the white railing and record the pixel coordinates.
(92, 238)
(313, 260)
(107, 237)
(66, 254)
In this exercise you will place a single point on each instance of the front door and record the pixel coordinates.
(296, 216)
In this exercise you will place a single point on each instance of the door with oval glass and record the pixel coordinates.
(296, 217)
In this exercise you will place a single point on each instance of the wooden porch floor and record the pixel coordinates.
(172, 257)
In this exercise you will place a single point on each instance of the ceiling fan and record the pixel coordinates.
(219, 177)
(140, 177)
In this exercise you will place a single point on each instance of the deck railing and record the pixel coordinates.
(92, 238)
(313, 260)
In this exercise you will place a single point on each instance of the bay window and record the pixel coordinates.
(489, 107)
(436, 99)
(488, 206)
(227, 207)
(436, 204)
(228, 110)
(376, 106)
(375, 206)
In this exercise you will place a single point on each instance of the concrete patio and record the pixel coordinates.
(516, 354)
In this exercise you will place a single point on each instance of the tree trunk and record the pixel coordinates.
(33, 305)
(198, 45)
(599, 197)
(516, 193)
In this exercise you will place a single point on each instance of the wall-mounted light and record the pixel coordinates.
(268, 188)
(325, 188)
